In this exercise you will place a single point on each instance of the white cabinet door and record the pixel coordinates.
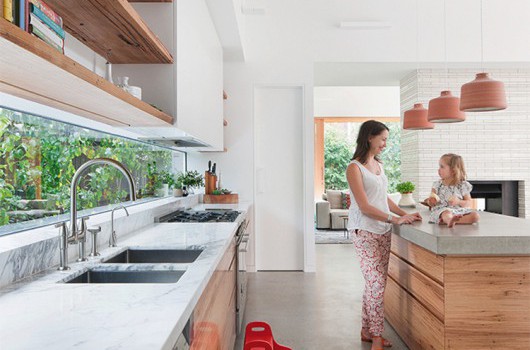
(199, 73)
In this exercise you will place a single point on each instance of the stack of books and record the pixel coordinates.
(36, 18)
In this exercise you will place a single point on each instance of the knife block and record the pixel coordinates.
(210, 182)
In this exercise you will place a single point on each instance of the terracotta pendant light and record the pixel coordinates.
(445, 109)
(482, 94)
(416, 118)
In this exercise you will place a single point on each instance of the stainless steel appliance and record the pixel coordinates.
(241, 279)
(200, 216)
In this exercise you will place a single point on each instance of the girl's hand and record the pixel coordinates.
(431, 201)
(453, 201)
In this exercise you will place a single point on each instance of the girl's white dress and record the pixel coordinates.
(445, 192)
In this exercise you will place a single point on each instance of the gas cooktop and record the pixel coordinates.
(225, 215)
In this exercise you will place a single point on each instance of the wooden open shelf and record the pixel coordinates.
(35, 71)
(113, 29)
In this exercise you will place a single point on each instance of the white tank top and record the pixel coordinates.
(375, 187)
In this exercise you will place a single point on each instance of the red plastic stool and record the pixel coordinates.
(258, 336)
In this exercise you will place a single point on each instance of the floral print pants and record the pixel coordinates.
(373, 251)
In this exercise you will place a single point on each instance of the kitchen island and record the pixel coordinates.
(43, 312)
(466, 287)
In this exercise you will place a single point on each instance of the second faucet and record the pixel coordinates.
(113, 239)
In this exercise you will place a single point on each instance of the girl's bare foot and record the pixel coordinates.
(454, 220)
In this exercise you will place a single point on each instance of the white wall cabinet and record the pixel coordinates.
(199, 73)
(192, 88)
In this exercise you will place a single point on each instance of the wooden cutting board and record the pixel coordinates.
(221, 198)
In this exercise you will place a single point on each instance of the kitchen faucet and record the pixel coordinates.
(78, 235)
(113, 239)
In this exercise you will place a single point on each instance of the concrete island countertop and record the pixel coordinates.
(43, 313)
(494, 235)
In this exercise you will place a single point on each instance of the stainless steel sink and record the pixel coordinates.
(94, 276)
(155, 256)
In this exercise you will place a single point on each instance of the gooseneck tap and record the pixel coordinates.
(78, 235)
(113, 239)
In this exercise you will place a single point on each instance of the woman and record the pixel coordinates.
(370, 223)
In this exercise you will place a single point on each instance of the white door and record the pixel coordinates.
(278, 113)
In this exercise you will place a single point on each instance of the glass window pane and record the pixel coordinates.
(39, 156)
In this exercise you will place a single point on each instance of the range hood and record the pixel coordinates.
(171, 137)
(177, 142)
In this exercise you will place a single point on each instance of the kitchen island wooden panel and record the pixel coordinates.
(426, 290)
(425, 261)
(416, 325)
(480, 297)
(487, 302)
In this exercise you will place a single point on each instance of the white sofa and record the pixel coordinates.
(329, 212)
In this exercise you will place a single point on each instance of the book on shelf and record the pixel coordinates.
(36, 24)
(8, 8)
(51, 24)
(22, 14)
(35, 31)
(48, 11)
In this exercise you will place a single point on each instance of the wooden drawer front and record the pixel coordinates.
(418, 327)
(422, 287)
(427, 262)
(216, 306)
(487, 302)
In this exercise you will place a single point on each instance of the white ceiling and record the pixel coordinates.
(309, 31)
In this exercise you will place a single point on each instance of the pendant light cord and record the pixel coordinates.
(445, 47)
(481, 38)
(417, 36)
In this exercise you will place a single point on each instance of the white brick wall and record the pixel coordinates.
(494, 145)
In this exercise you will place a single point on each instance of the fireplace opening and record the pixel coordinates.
(501, 197)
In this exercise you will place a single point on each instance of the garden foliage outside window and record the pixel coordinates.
(39, 156)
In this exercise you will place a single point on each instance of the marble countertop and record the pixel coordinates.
(43, 313)
(494, 235)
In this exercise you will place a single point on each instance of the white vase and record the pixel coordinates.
(406, 200)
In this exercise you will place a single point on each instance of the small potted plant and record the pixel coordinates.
(192, 179)
(406, 189)
(177, 189)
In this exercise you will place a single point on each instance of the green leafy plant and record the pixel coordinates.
(193, 179)
(405, 187)
(217, 192)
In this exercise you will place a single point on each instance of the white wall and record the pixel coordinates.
(237, 165)
(356, 101)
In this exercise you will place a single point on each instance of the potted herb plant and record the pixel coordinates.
(192, 179)
(177, 189)
(406, 189)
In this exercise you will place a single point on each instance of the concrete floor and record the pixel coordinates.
(313, 311)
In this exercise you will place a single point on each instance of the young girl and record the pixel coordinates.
(450, 198)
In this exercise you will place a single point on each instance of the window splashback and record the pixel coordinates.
(39, 156)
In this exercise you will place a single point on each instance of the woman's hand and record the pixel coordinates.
(417, 216)
(409, 218)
